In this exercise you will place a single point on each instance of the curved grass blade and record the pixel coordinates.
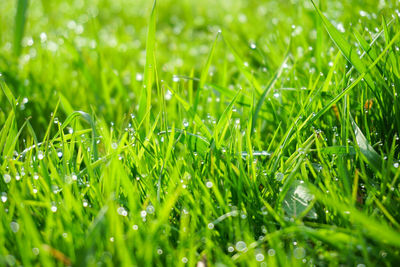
(242, 68)
(223, 120)
(205, 70)
(193, 114)
(347, 50)
(366, 149)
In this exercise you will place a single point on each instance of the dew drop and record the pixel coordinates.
(241, 246)
(299, 253)
(185, 123)
(53, 208)
(139, 77)
(4, 197)
(14, 227)
(271, 252)
(175, 79)
(122, 211)
(279, 176)
(7, 178)
(150, 209)
(259, 257)
(35, 251)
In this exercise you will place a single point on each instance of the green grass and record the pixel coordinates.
(222, 133)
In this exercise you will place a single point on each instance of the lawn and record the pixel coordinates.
(199, 133)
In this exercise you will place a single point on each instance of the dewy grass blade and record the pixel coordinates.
(352, 85)
(241, 66)
(223, 120)
(206, 69)
(149, 70)
(189, 170)
(266, 91)
(347, 50)
(194, 115)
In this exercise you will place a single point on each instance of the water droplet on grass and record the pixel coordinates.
(114, 145)
(35, 251)
(209, 184)
(139, 77)
(185, 123)
(122, 211)
(271, 252)
(14, 227)
(299, 253)
(40, 155)
(4, 197)
(241, 246)
(150, 209)
(53, 208)
(168, 95)
(279, 176)
(259, 257)
(7, 178)
(210, 226)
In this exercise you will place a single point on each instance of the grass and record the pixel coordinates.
(212, 133)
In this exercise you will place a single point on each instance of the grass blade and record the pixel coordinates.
(347, 50)
(20, 20)
(149, 70)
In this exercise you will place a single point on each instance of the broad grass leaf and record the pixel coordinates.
(297, 200)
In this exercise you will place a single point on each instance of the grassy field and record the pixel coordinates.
(199, 133)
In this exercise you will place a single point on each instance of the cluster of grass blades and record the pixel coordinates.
(253, 158)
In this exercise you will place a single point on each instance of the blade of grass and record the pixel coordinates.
(347, 50)
(149, 70)
(20, 20)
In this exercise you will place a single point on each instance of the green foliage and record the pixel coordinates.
(217, 133)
